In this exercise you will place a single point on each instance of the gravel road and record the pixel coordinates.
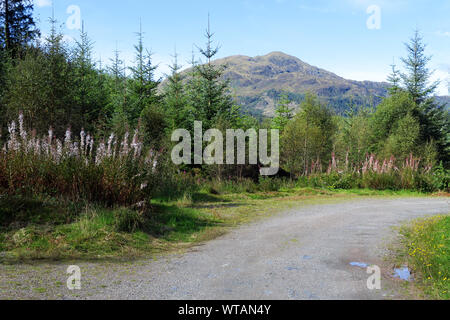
(299, 254)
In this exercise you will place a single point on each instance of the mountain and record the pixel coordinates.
(444, 100)
(258, 83)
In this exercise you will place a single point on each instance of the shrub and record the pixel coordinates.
(426, 248)
(126, 220)
(112, 173)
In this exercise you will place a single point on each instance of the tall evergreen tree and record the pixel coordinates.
(117, 94)
(90, 94)
(175, 98)
(210, 95)
(283, 113)
(434, 119)
(42, 86)
(416, 80)
(143, 86)
(394, 80)
(17, 26)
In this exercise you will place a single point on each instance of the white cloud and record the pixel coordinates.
(43, 3)
(443, 77)
(443, 33)
(384, 4)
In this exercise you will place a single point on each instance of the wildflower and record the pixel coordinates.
(82, 141)
(13, 144)
(22, 132)
(124, 145)
(68, 138)
(110, 145)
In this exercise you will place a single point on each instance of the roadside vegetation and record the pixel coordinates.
(425, 248)
(50, 229)
(85, 166)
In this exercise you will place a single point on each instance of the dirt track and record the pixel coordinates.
(300, 254)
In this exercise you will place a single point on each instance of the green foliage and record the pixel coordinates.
(42, 86)
(434, 118)
(175, 99)
(394, 80)
(441, 178)
(352, 140)
(209, 96)
(90, 91)
(426, 248)
(308, 137)
(283, 113)
(17, 25)
(142, 85)
(126, 220)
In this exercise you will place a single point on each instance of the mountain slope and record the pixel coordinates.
(258, 82)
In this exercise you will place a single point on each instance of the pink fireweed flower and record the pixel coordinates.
(82, 139)
(68, 138)
(110, 145)
(13, 144)
(59, 150)
(136, 145)
(91, 146)
(22, 132)
(101, 152)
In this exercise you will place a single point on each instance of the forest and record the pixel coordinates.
(76, 130)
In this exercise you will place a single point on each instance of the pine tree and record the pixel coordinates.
(17, 26)
(395, 80)
(211, 95)
(42, 86)
(283, 113)
(175, 99)
(418, 75)
(143, 86)
(90, 94)
(434, 119)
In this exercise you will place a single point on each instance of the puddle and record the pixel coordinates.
(402, 273)
(359, 264)
(292, 268)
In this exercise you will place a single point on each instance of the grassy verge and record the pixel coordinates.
(46, 228)
(425, 248)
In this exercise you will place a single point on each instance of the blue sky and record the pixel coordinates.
(331, 34)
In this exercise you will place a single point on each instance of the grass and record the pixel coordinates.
(425, 248)
(46, 228)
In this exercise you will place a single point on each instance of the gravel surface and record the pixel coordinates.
(304, 253)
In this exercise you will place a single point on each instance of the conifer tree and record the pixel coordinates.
(416, 80)
(433, 118)
(283, 113)
(42, 86)
(17, 25)
(143, 86)
(394, 80)
(175, 99)
(90, 94)
(211, 95)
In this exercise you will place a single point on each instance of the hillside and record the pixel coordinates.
(258, 82)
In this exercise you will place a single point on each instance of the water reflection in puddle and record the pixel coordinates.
(359, 264)
(402, 273)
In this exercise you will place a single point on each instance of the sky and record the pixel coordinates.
(356, 39)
